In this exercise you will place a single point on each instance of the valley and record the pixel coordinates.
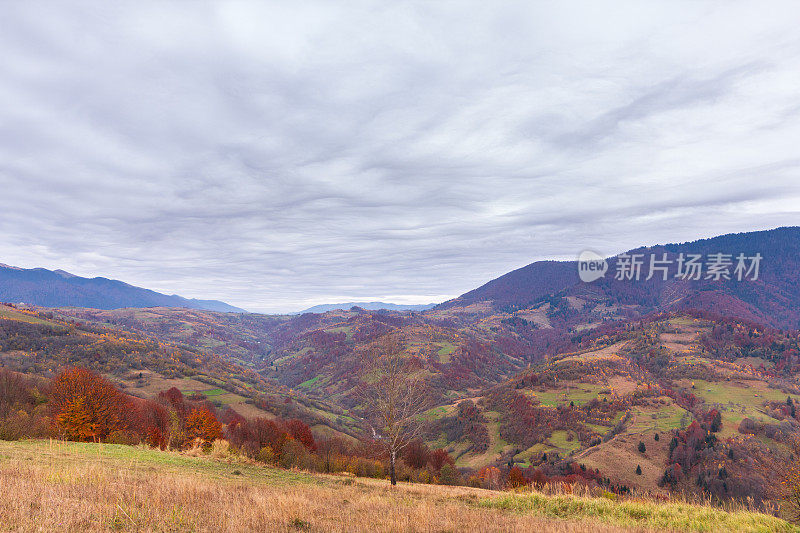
(587, 385)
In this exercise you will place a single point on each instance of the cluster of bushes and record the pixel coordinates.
(290, 443)
(468, 422)
(785, 431)
(420, 464)
(81, 405)
(23, 407)
(525, 422)
(787, 412)
(553, 472)
(730, 340)
(690, 446)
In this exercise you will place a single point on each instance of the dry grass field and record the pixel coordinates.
(57, 486)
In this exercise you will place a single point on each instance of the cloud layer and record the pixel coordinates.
(277, 156)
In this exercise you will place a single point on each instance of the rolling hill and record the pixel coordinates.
(57, 288)
(139, 489)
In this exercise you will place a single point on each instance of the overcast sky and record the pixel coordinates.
(281, 155)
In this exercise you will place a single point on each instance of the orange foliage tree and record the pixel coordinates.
(202, 424)
(86, 406)
(490, 477)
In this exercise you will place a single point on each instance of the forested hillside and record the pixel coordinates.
(38, 344)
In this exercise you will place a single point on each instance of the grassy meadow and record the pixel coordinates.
(61, 486)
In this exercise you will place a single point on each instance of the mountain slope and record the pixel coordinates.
(47, 288)
(522, 286)
(319, 354)
(773, 299)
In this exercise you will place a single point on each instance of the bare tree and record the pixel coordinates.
(394, 396)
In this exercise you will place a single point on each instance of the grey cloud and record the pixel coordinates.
(676, 93)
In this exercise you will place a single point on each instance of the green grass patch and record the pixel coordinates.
(213, 392)
(497, 445)
(525, 457)
(738, 401)
(578, 394)
(648, 515)
(662, 418)
(230, 398)
(684, 321)
(437, 412)
(446, 349)
(559, 440)
(309, 382)
(347, 330)
(602, 430)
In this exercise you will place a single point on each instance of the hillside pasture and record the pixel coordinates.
(147, 384)
(607, 353)
(497, 446)
(445, 350)
(566, 392)
(58, 486)
(9, 313)
(619, 457)
(737, 400)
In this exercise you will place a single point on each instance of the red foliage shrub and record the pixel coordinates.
(417, 454)
(302, 433)
(439, 458)
(515, 478)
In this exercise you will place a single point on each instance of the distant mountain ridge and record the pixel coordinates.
(58, 288)
(370, 306)
(773, 299)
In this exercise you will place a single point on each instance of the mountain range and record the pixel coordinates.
(371, 306)
(773, 298)
(57, 288)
